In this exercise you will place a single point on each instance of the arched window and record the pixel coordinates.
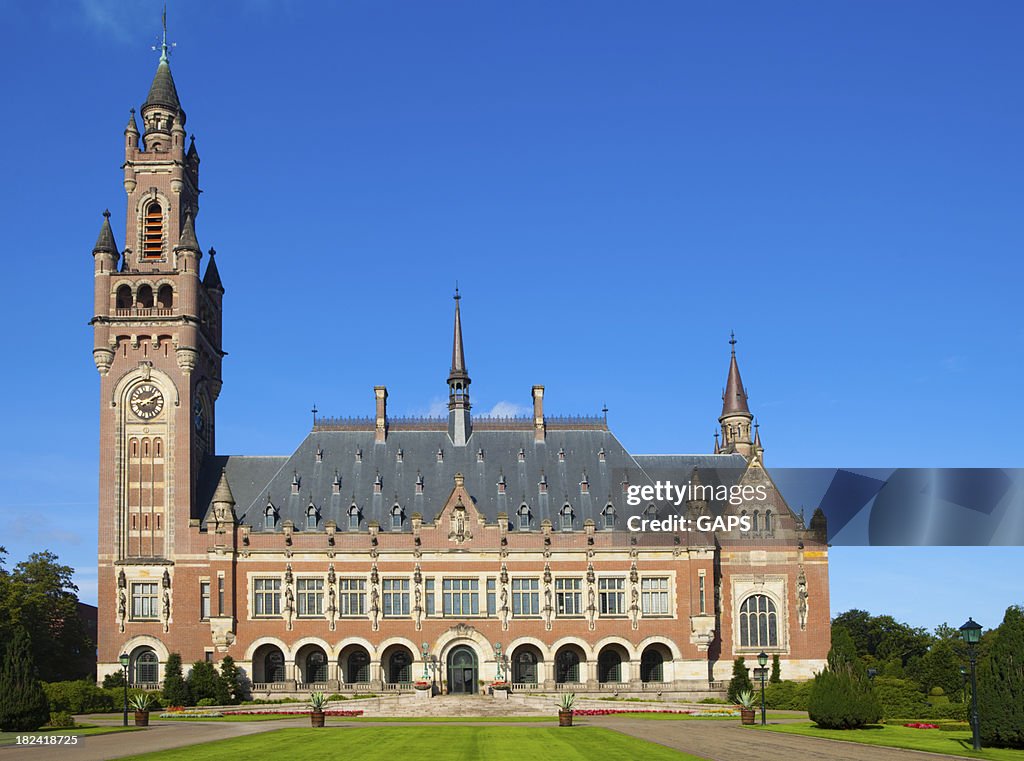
(144, 299)
(758, 622)
(273, 666)
(316, 667)
(147, 668)
(566, 516)
(396, 518)
(524, 518)
(609, 517)
(268, 517)
(124, 297)
(567, 666)
(311, 523)
(353, 518)
(153, 231)
(609, 665)
(358, 666)
(165, 297)
(756, 524)
(768, 522)
(652, 665)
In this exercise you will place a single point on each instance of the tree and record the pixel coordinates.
(776, 676)
(940, 667)
(1001, 684)
(882, 638)
(232, 679)
(39, 595)
(114, 680)
(175, 691)
(740, 681)
(842, 696)
(23, 704)
(204, 683)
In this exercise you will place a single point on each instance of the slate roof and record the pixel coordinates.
(163, 92)
(561, 461)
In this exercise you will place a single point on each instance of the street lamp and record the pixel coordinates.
(124, 659)
(499, 675)
(762, 661)
(426, 662)
(963, 677)
(971, 633)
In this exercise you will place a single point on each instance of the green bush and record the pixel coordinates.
(61, 720)
(787, 695)
(776, 676)
(336, 696)
(175, 691)
(900, 698)
(81, 696)
(110, 681)
(231, 679)
(23, 704)
(205, 702)
(715, 701)
(1001, 685)
(842, 700)
(740, 681)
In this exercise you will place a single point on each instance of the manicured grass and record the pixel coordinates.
(9, 738)
(386, 719)
(684, 717)
(930, 740)
(245, 717)
(435, 743)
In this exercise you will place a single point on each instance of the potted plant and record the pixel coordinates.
(565, 706)
(421, 684)
(317, 702)
(142, 704)
(746, 702)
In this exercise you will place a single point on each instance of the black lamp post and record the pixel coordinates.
(963, 677)
(762, 661)
(124, 659)
(971, 632)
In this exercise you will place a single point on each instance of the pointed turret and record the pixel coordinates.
(105, 241)
(223, 492)
(187, 241)
(735, 418)
(161, 112)
(459, 423)
(212, 277)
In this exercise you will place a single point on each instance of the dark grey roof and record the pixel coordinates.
(163, 92)
(105, 241)
(561, 462)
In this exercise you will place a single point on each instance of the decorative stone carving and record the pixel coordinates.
(802, 599)
(187, 359)
(103, 358)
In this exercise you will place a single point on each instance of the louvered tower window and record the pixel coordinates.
(153, 232)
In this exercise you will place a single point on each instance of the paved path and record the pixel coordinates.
(728, 741)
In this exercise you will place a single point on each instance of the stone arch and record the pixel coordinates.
(144, 640)
(354, 660)
(378, 651)
(397, 663)
(613, 663)
(673, 648)
(269, 663)
(656, 663)
(165, 296)
(259, 642)
(545, 651)
(311, 660)
(580, 642)
(119, 396)
(144, 296)
(630, 649)
(570, 663)
(526, 663)
(124, 298)
(462, 634)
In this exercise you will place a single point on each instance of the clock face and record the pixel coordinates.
(146, 401)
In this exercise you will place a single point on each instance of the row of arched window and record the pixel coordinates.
(145, 297)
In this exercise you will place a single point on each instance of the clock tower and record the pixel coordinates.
(157, 346)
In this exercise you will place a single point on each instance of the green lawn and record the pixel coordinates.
(8, 738)
(435, 743)
(304, 718)
(931, 740)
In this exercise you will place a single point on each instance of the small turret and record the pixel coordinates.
(735, 418)
(459, 422)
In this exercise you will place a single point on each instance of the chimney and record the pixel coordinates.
(538, 413)
(380, 430)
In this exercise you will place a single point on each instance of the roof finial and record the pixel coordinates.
(314, 411)
(457, 296)
(106, 213)
(732, 341)
(163, 45)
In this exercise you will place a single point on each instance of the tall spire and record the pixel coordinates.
(163, 93)
(459, 424)
(734, 400)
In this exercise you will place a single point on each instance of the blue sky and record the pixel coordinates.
(615, 187)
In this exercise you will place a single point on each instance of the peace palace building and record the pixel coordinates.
(465, 549)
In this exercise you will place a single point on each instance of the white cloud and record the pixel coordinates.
(508, 409)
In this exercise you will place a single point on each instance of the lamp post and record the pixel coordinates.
(963, 677)
(124, 659)
(499, 675)
(762, 661)
(425, 648)
(971, 633)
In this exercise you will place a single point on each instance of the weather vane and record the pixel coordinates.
(165, 48)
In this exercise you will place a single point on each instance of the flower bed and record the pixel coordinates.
(328, 712)
(919, 725)
(191, 715)
(681, 711)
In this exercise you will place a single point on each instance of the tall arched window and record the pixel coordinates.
(268, 517)
(768, 522)
(759, 622)
(757, 520)
(153, 231)
(124, 297)
(311, 523)
(566, 518)
(165, 297)
(144, 299)
(396, 518)
(147, 668)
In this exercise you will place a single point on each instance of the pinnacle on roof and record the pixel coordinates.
(458, 371)
(163, 92)
(734, 399)
(223, 492)
(132, 125)
(187, 240)
(105, 241)
(212, 277)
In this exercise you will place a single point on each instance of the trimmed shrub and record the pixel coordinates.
(900, 698)
(206, 702)
(175, 692)
(205, 683)
(787, 695)
(115, 680)
(776, 676)
(23, 704)
(1001, 685)
(81, 696)
(232, 680)
(61, 720)
(740, 681)
(841, 700)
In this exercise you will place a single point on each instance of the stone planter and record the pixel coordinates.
(565, 718)
(142, 718)
(747, 715)
(316, 719)
(500, 692)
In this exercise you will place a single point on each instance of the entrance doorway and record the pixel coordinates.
(462, 671)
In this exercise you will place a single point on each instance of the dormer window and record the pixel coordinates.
(608, 514)
(398, 455)
(522, 455)
(311, 517)
(153, 232)
(440, 454)
(269, 517)
(561, 454)
(524, 518)
(353, 518)
(566, 518)
(396, 518)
